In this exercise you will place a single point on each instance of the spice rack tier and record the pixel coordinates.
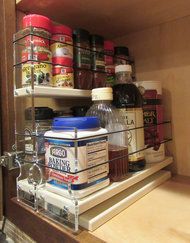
(52, 92)
(110, 198)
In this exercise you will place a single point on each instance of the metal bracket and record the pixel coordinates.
(8, 159)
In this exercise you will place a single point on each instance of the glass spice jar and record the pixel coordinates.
(36, 53)
(97, 61)
(82, 60)
(62, 45)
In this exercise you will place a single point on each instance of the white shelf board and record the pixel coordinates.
(104, 194)
(54, 92)
(103, 212)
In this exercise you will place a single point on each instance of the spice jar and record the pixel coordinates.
(97, 61)
(62, 75)
(82, 61)
(36, 53)
(62, 45)
(121, 55)
(43, 120)
(109, 50)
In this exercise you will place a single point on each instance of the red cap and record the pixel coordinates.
(108, 45)
(36, 20)
(65, 61)
(62, 29)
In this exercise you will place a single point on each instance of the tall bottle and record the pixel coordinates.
(129, 102)
(117, 142)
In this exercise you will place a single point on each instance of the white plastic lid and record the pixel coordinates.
(123, 68)
(102, 94)
(150, 84)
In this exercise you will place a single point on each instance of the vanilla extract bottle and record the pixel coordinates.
(128, 100)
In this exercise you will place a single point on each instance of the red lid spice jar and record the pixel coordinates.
(36, 53)
(82, 59)
(62, 45)
(62, 76)
(97, 61)
(109, 50)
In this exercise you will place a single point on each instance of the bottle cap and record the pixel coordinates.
(62, 29)
(96, 40)
(123, 68)
(102, 94)
(69, 123)
(36, 20)
(108, 45)
(81, 34)
(121, 50)
(41, 113)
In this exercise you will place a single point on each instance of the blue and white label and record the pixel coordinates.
(63, 155)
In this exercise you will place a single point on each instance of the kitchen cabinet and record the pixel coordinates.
(157, 34)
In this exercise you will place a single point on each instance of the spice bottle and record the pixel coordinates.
(62, 45)
(36, 53)
(43, 120)
(117, 141)
(62, 75)
(121, 55)
(82, 60)
(110, 68)
(97, 61)
(129, 102)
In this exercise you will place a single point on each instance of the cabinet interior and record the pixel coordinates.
(157, 34)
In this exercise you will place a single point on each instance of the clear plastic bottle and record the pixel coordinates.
(129, 102)
(110, 119)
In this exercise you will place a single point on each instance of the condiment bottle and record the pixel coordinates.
(82, 60)
(129, 102)
(97, 61)
(36, 53)
(62, 45)
(121, 55)
(153, 119)
(110, 119)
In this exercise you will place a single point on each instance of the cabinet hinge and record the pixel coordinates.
(8, 160)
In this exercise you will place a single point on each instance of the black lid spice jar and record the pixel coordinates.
(82, 60)
(97, 61)
(121, 55)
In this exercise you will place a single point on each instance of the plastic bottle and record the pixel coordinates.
(117, 142)
(128, 100)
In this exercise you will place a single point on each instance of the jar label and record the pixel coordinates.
(42, 73)
(153, 115)
(82, 58)
(98, 62)
(64, 80)
(42, 56)
(59, 49)
(60, 155)
(134, 119)
(37, 41)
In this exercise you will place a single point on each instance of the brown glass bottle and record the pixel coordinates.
(128, 100)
